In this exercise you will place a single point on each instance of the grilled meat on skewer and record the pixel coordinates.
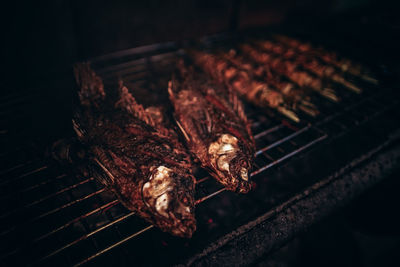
(216, 129)
(288, 69)
(344, 64)
(295, 96)
(240, 80)
(140, 159)
(308, 62)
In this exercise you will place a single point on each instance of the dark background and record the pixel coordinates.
(44, 38)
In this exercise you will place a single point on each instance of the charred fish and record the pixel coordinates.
(129, 150)
(215, 127)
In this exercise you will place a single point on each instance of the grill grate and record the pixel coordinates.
(66, 220)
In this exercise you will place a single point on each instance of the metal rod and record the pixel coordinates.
(69, 204)
(105, 206)
(61, 191)
(282, 140)
(291, 154)
(141, 231)
(23, 175)
(113, 246)
(55, 210)
(88, 235)
(268, 131)
(15, 167)
(24, 190)
(346, 109)
(110, 224)
(210, 196)
(48, 196)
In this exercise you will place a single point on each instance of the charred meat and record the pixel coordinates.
(295, 97)
(135, 155)
(344, 64)
(243, 82)
(309, 62)
(215, 127)
(289, 69)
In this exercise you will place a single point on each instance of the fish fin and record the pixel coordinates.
(238, 108)
(237, 104)
(100, 166)
(81, 124)
(152, 115)
(105, 176)
(91, 88)
(80, 132)
(183, 131)
(127, 102)
(171, 86)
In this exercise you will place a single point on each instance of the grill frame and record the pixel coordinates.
(144, 58)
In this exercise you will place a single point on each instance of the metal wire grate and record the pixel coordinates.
(66, 220)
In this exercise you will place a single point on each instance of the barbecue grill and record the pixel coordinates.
(303, 171)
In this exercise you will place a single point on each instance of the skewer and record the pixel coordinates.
(369, 79)
(288, 113)
(309, 110)
(309, 62)
(344, 64)
(348, 85)
(329, 94)
(289, 91)
(301, 78)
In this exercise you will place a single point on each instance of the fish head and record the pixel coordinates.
(231, 163)
(169, 194)
(239, 169)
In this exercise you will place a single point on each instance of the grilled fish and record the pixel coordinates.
(215, 127)
(243, 82)
(139, 159)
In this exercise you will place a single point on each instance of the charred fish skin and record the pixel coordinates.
(139, 159)
(215, 127)
(149, 173)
